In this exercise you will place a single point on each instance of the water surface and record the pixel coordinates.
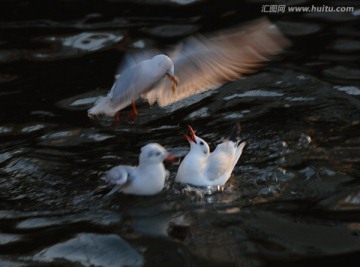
(294, 196)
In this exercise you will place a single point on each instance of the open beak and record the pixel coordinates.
(190, 138)
(174, 81)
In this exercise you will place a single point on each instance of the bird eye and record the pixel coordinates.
(157, 153)
(201, 143)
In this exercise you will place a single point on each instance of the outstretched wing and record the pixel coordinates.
(201, 63)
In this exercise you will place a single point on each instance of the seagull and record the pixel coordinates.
(200, 63)
(200, 167)
(138, 77)
(148, 178)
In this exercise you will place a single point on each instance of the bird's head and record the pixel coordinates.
(167, 67)
(197, 144)
(153, 154)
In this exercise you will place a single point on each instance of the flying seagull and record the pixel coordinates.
(196, 64)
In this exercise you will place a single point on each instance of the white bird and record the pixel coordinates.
(148, 178)
(202, 168)
(137, 77)
(200, 63)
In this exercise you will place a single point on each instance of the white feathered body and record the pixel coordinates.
(211, 169)
(148, 178)
(133, 82)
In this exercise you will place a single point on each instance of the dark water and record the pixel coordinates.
(294, 197)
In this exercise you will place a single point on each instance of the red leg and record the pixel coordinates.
(116, 119)
(134, 112)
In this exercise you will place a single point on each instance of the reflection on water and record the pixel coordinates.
(293, 198)
(93, 250)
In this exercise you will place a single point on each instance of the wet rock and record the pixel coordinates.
(73, 137)
(11, 55)
(331, 16)
(281, 2)
(65, 46)
(101, 218)
(304, 141)
(254, 93)
(82, 101)
(270, 190)
(5, 239)
(5, 130)
(285, 236)
(170, 31)
(201, 113)
(161, 2)
(347, 30)
(299, 28)
(93, 250)
(143, 43)
(4, 78)
(180, 232)
(11, 263)
(341, 72)
(351, 90)
(185, 2)
(346, 45)
(32, 128)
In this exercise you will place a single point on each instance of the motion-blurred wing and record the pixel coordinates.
(201, 63)
(122, 90)
(129, 78)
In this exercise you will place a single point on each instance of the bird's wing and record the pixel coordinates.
(130, 78)
(201, 63)
(122, 90)
(238, 152)
(219, 162)
(118, 176)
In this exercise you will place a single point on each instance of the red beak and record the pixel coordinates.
(190, 138)
(170, 157)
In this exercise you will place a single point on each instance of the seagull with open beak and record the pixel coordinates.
(200, 167)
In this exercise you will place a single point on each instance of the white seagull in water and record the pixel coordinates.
(148, 178)
(200, 63)
(200, 167)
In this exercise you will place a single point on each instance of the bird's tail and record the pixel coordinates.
(235, 137)
(102, 107)
(238, 152)
(235, 133)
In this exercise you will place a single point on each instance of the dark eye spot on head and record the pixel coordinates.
(201, 143)
(157, 153)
